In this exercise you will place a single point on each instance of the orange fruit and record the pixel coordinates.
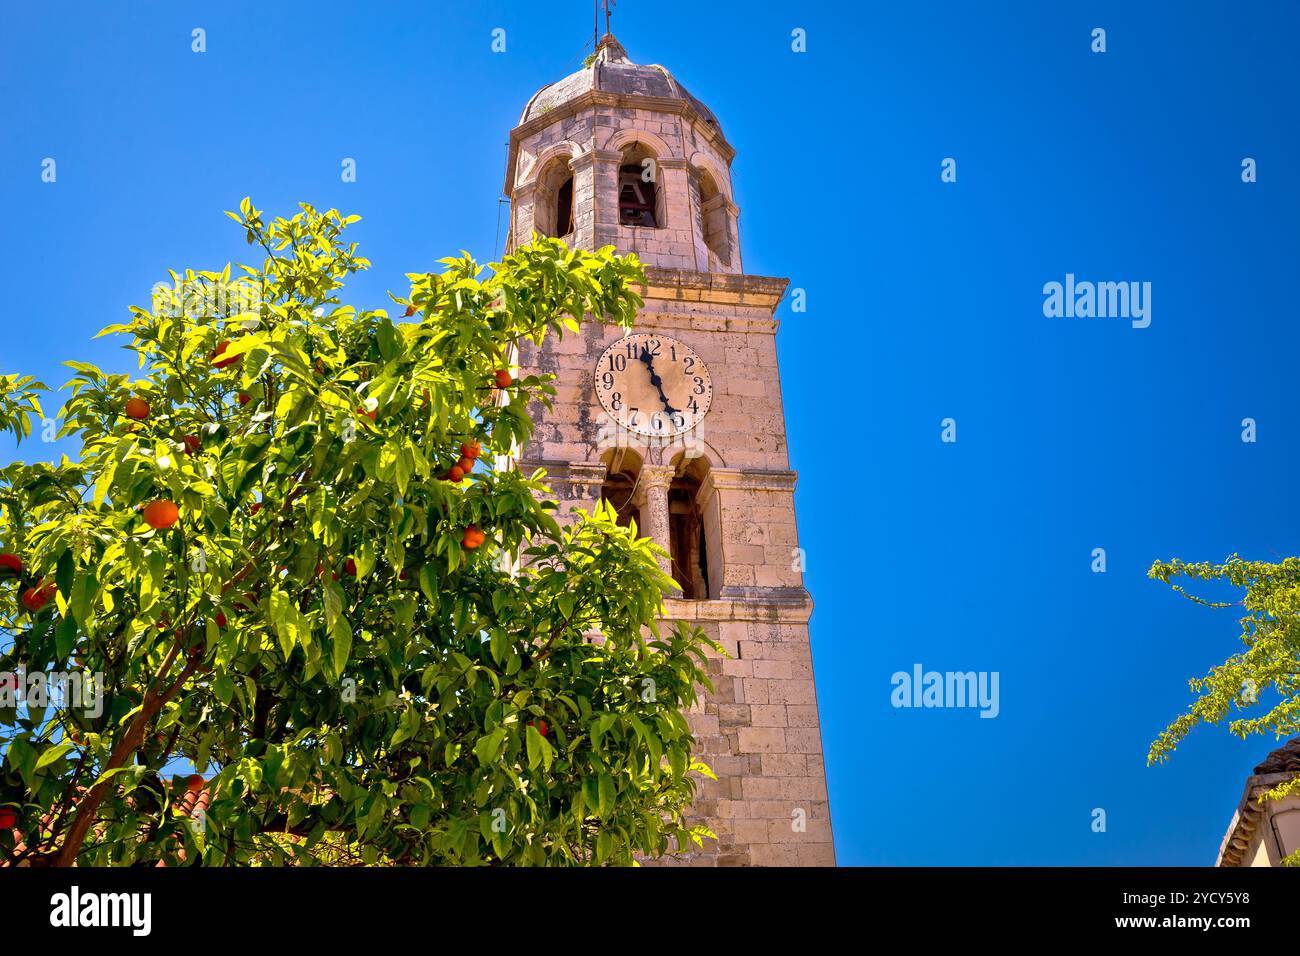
(11, 564)
(455, 473)
(34, 599)
(221, 350)
(245, 398)
(161, 514)
(137, 408)
(472, 538)
(503, 378)
(470, 450)
(466, 464)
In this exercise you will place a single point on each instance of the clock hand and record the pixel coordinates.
(655, 380)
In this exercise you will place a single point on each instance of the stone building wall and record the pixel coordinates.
(759, 730)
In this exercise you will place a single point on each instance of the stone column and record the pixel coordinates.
(652, 499)
(522, 216)
(605, 196)
(584, 200)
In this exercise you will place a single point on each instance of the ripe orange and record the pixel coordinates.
(472, 538)
(8, 818)
(161, 514)
(245, 398)
(35, 598)
(10, 564)
(455, 473)
(503, 378)
(218, 361)
(465, 464)
(192, 444)
(137, 408)
(471, 449)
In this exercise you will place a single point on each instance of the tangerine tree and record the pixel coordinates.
(292, 554)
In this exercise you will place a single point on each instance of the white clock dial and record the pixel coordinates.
(653, 385)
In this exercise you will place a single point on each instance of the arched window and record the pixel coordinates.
(693, 532)
(553, 203)
(620, 486)
(639, 201)
(713, 218)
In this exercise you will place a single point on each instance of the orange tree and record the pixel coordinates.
(284, 555)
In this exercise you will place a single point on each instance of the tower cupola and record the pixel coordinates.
(621, 154)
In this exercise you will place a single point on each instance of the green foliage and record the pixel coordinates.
(1270, 660)
(379, 692)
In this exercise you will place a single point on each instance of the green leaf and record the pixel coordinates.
(65, 637)
(342, 637)
(606, 797)
(536, 747)
(52, 754)
(565, 601)
(487, 748)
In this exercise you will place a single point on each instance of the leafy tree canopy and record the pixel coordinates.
(294, 551)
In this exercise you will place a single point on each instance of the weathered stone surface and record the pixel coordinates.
(759, 729)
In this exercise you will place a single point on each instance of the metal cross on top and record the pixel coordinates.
(608, 13)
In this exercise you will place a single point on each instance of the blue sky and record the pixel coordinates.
(924, 302)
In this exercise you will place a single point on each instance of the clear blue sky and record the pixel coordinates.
(924, 302)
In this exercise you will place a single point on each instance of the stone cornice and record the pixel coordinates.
(566, 472)
(682, 285)
(582, 160)
(746, 480)
(788, 605)
(597, 98)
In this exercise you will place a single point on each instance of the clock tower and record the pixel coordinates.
(679, 425)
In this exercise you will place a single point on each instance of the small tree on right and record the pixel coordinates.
(1269, 660)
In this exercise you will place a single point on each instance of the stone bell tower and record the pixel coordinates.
(680, 426)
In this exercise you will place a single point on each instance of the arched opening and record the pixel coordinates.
(639, 198)
(694, 534)
(553, 201)
(713, 220)
(620, 486)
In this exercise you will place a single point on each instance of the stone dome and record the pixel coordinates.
(612, 72)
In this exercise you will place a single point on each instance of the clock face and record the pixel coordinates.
(653, 385)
